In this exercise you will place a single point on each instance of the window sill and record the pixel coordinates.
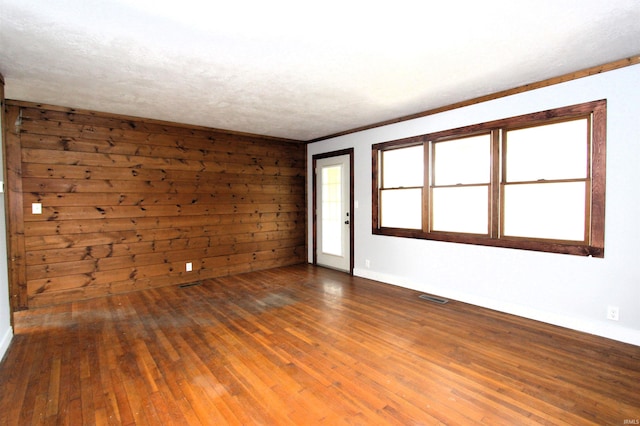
(576, 249)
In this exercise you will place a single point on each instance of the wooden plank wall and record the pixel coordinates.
(127, 202)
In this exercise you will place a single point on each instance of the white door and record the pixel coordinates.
(333, 222)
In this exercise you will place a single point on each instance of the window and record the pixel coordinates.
(401, 190)
(461, 178)
(545, 181)
(532, 182)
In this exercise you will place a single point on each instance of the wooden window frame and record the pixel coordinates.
(594, 203)
(432, 182)
(411, 142)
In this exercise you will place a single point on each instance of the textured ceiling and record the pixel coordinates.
(297, 69)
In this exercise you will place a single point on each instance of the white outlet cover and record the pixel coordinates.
(36, 208)
(613, 313)
(189, 267)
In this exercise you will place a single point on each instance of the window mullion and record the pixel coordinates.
(588, 231)
(377, 188)
(426, 187)
(495, 210)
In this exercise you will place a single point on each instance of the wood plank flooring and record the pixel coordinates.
(302, 345)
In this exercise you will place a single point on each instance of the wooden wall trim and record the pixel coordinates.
(14, 205)
(633, 60)
(314, 195)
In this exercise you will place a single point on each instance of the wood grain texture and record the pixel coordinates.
(306, 345)
(127, 202)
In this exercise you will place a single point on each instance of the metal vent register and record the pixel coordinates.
(433, 299)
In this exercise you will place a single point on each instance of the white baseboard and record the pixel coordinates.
(5, 341)
(597, 328)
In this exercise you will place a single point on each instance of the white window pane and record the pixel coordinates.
(553, 151)
(331, 175)
(461, 209)
(551, 210)
(332, 210)
(401, 208)
(463, 161)
(403, 167)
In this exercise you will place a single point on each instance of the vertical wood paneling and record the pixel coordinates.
(127, 202)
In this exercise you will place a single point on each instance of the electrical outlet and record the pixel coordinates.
(367, 263)
(613, 313)
(36, 208)
(189, 267)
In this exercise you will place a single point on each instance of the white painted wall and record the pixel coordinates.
(570, 291)
(6, 332)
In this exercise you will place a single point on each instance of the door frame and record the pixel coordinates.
(349, 152)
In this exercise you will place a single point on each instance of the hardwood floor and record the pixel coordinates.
(305, 345)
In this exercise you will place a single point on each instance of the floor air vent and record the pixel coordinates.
(433, 299)
(190, 284)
